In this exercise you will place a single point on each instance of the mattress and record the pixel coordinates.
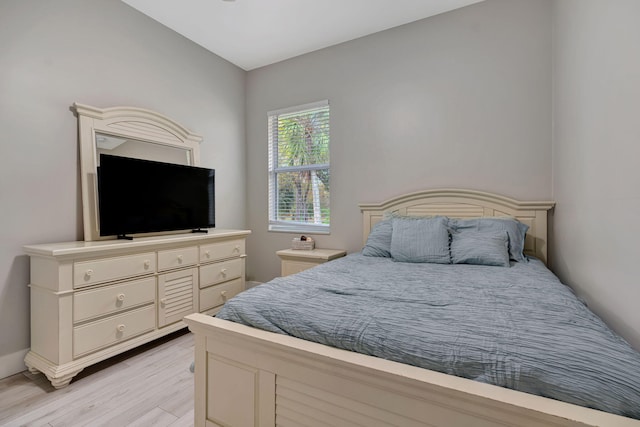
(517, 327)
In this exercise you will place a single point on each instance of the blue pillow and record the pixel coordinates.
(379, 240)
(514, 228)
(420, 240)
(480, 247)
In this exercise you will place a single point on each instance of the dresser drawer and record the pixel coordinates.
(111, 299)
(221, 250)
(217, 295)
(175, 258)
(102, 333)
(87, 273)
(219, 272)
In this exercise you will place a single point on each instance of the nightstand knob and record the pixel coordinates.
(120, 327)
(120, 297)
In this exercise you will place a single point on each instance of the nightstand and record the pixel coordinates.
(295, 260)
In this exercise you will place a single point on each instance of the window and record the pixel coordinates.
(299, 169)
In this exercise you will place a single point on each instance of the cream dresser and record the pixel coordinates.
(93, 300)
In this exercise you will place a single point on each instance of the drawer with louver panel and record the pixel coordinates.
(177, 295)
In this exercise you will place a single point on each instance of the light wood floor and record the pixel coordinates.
(148, 386)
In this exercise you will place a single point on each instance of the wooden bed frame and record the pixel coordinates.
(248, 377)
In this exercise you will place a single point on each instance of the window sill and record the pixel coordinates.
(299, 228)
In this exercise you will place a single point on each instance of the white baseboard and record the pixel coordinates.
(11, 364)
(250, 284)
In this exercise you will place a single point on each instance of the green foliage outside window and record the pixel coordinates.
(300, 166)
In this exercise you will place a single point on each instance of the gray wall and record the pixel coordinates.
(596, 171)
(102, 53)
(461, 99)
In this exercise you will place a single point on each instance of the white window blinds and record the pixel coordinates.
(299, 168)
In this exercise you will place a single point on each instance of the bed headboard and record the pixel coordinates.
(458, 203)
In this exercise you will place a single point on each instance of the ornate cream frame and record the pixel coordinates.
(124, 122)
(249, 377)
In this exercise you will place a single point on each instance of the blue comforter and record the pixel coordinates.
(516, 327)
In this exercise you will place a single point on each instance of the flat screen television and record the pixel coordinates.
(144, 196)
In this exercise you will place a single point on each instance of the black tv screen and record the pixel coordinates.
(144, 196)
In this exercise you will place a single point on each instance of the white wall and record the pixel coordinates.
(461, 99)
(596, 173)
(102, 53)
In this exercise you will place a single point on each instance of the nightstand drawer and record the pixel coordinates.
(221, 250)
(87, 273)
(176, 258)
(294, 261)
(112, 330)
(219, 272)
(293, 267)
(111, 299)
(219, 294)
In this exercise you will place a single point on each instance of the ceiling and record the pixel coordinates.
(254, 33)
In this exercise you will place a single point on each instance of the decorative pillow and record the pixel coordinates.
(420, 240)
(514, 228)
(480, 247)
(379, 240)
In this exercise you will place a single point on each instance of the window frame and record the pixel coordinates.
(290, 226)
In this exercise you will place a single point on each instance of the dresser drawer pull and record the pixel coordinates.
(237, 249)
(223, 272)
(163, 301)
(147, 263)
(120, 297)
(120, 327)
(207, 253)
(179, 259)
(88, 273)
(223, 294)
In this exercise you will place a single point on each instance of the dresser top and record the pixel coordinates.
(119, 245)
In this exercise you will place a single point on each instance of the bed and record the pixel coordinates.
(245, 376)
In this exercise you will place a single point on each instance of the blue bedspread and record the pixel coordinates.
(516, 327)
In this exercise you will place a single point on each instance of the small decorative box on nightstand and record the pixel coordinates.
(295, 261)
(307, 244)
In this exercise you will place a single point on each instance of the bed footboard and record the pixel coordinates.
(249, 377)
